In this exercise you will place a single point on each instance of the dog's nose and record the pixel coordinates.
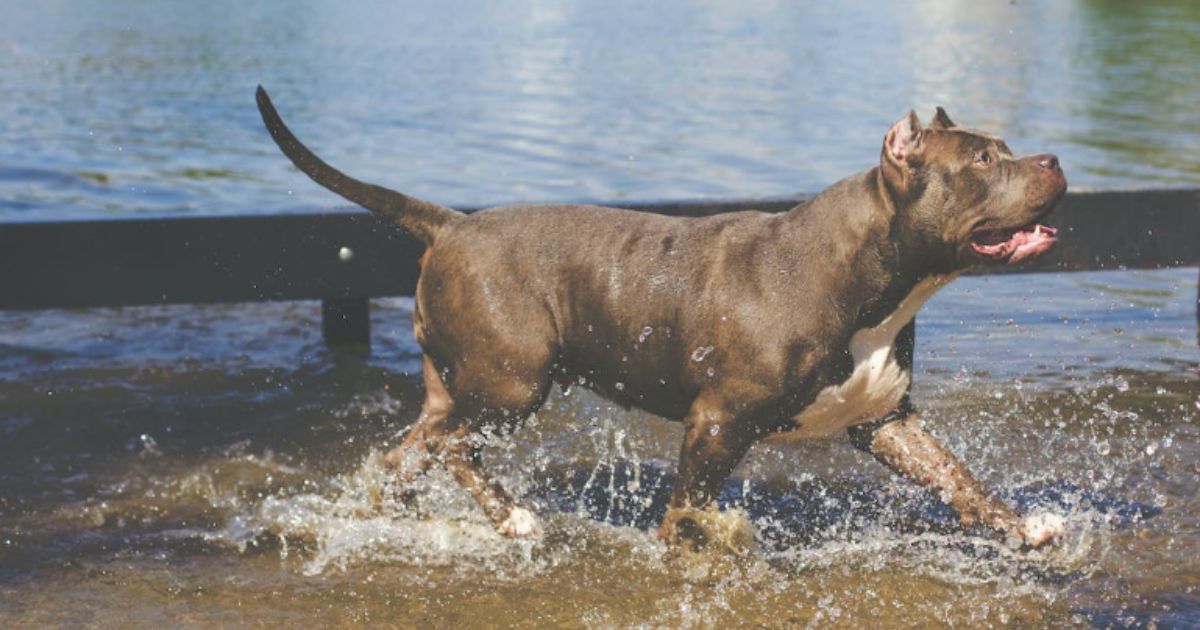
(1048, 161)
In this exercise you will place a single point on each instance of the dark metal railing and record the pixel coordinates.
(345, 258)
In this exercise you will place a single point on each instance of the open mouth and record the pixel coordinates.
(1016, 244)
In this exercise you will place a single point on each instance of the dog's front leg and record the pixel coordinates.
(712, 448)
(906, 447)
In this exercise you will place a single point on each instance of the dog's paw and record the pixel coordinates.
(718, 530)
(1039, 529)
(521, 523)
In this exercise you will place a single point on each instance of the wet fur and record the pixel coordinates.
(743, 326)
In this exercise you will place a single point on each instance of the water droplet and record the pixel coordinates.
(1104, 448)
(1121, 384)
(620, 386)
(646, 332)
(710, 372)
(714, 430)
(701, 353)
(145, 446)
(1151, 449)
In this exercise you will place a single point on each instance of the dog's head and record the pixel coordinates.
(962, 195)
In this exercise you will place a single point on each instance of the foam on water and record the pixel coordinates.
(347, 523)
(350, 520)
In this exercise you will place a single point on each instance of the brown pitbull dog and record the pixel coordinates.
(745, 326)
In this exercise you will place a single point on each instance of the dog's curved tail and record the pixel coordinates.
(420, 218)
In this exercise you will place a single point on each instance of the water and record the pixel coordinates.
(217, 465)
(123, 107)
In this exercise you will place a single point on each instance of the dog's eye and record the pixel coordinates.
(983, 158)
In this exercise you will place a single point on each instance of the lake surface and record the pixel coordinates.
(216, 465)
(124, 107)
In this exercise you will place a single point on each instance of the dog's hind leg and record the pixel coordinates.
(496, 395)
(464, 460)
(427, 436)
(449, 431)
(460, 450)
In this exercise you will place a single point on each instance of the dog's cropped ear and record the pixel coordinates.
(902, 144)
(941, 120)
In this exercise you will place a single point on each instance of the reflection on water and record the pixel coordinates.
(1134, 104)
(118, 107)
(177, 465)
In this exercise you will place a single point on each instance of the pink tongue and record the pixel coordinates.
(1031, 243)
(1016, 246)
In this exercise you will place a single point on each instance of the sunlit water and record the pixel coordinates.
(121, 107)
(217, 465)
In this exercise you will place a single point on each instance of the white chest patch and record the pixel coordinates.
(877, 383)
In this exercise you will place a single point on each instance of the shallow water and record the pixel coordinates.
(165, 465)
(218, 464)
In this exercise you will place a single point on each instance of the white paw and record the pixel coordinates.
(521, 523)
(1039, 529)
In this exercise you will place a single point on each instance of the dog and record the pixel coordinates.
(746, 326)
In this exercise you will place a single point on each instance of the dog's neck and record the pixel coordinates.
(867, 234)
